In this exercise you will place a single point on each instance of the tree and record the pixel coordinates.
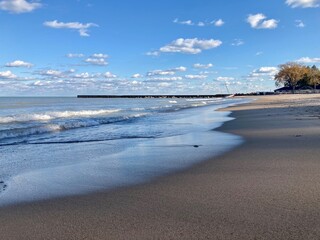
(313, 77)
(290, 74)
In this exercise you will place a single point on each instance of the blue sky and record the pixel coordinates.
(70, 47)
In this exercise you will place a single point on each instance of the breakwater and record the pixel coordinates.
(154, 96)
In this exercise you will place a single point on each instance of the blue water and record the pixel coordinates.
(53, 147)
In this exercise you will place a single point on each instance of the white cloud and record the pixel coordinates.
(84, 75)
(55, 74)
(303, 3)
(19, 6)
(51, 73)
(136, 75)
(267, 70)
(237, 42)
(190, 46)
(196, 76)
(165, 79)
(97, 61)
(187, 22)
(19, 63)
(203, 66)
(225, 79)
(308, 60)
(179, 69)
(259, 53)
(160, 72)
(300, 24)
(255, 20)
(75, 55)
(7, 75)
(109, 75)
(259, 21)
(171, 71)
(263, 72)
(218, 23)
(81, 27)
(99, 55)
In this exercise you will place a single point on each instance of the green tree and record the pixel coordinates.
(290, 74)
(313, 77)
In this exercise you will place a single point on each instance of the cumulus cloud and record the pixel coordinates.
(7, 75)
(225, 79)
(300, 24)
(267, 70)
(97, 61)
(54, 74)
(75, 55)
(137, 75)
(303, 3)
(218, 23)
(190, 46)
(171, 71)
(203, 66)
(260, 21)
(51, 73)
(109, 75)
(308, 60)
(19, 6)
(263, 72)
(93, 76)
(84, 75)
(82, 28)
(19, 63)
(196, 76)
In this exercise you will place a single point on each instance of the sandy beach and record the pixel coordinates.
(267, 188)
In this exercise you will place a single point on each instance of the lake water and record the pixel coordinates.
(54, 147)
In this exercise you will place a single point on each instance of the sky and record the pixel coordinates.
(70, 47)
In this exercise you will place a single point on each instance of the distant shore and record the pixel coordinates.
(267, 188)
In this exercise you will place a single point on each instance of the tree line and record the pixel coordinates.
(295, 75)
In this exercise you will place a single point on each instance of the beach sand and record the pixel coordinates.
(267, 188)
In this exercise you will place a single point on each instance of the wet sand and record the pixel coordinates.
(267, 188)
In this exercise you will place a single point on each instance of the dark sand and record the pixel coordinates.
(267, 188)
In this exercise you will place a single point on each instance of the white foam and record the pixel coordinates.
(47, 116)
(62, 126)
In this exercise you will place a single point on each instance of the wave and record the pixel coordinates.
(47, 116)
(77, 141)
(63, 126)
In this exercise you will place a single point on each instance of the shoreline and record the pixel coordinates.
(118, 163)
(264, 189)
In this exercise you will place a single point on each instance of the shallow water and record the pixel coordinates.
(53, 147)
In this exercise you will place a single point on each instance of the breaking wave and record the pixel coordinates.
(47, 116)
(63, 126)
